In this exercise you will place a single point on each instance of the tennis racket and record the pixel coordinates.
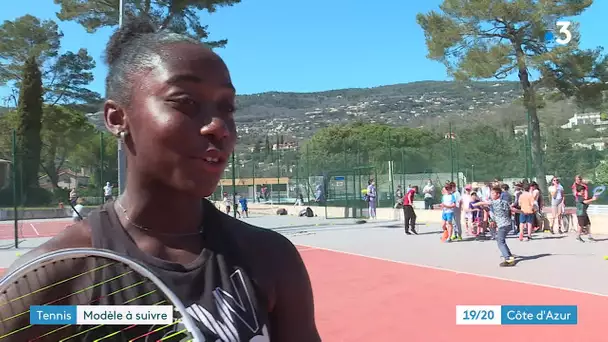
(92, 277)
(599, 190)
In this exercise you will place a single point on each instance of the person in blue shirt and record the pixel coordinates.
(448, 203)
(244, 208)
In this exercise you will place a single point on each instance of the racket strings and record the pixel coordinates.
(125, 288)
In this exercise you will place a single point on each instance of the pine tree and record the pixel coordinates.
(30, 123)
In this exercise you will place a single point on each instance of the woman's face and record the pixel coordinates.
(180, 120)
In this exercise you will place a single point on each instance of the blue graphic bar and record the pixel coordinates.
(539, 315)
(52, 314)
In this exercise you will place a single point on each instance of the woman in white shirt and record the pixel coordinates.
(77, 211)
(557, 203)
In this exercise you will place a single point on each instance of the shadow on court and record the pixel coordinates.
(523, 258)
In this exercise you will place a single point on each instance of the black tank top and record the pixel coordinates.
(216, 288)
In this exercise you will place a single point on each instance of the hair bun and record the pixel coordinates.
(131, 30)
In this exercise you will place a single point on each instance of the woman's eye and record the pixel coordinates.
(183, 101)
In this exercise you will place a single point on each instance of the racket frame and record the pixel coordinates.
(142, 270)
(599, 190)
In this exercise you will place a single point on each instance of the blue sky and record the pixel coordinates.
(308, 45)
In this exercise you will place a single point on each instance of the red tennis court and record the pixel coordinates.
(32, 228)
(365, 299)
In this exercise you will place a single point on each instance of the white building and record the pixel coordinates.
(597, 143)
(583, 119)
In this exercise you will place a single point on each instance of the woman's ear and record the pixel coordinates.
(115, 118)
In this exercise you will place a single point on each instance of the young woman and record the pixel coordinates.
(557, 204)
(372, 198)
(170, 99)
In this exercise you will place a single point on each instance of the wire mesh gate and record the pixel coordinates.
(345, 192)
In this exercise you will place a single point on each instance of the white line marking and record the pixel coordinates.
(306, 249)
(34, 228)
(454, 271)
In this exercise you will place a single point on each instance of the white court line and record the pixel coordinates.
(306, 249)
(454, 271)
(35, 230)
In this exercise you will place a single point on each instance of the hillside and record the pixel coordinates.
(301, 114)
(425, 103)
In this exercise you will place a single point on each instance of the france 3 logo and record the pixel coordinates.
(564, 35)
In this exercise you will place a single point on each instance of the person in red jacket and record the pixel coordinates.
(578, 180)
(408, 211)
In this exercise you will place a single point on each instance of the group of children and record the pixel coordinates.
(240, 200)
(492, 209)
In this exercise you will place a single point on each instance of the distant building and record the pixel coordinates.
(66, 179)
(583, 119)
(288, 146)
(590, 143)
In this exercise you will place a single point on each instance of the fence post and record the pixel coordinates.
(233, 184)
(451, 154)
(307, 174)
(255, 193)
(14, 169)
(278, 171)
(391, 169)
(298, 172)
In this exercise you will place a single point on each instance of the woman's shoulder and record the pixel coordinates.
(254, 237)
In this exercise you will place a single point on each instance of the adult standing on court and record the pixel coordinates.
(557, 204)
(578, 180)
(107, 192)
(371, 198)
(408, 211)
(171, 100)
(429, 194)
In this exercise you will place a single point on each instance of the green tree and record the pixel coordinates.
(267, 147)
(559, 154)
(62, 130)
(257, 148)
(582, 75)
(65, 76)
(601, 174)
(481, 39)
(88, 154)
(28, 129)
(179, 15)
(342, 147)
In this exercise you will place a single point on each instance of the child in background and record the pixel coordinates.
(77, 211)
(244, 208)
(475, 213)
(237, 199)
(526, 211)
(582, 203)
(466, 201)
(501, 212)
(227, 203)
(448, 203)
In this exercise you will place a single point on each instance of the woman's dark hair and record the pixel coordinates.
(133, 48)
(504, 187)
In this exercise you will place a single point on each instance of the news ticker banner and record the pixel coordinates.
(516, 315)
(101, 314)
